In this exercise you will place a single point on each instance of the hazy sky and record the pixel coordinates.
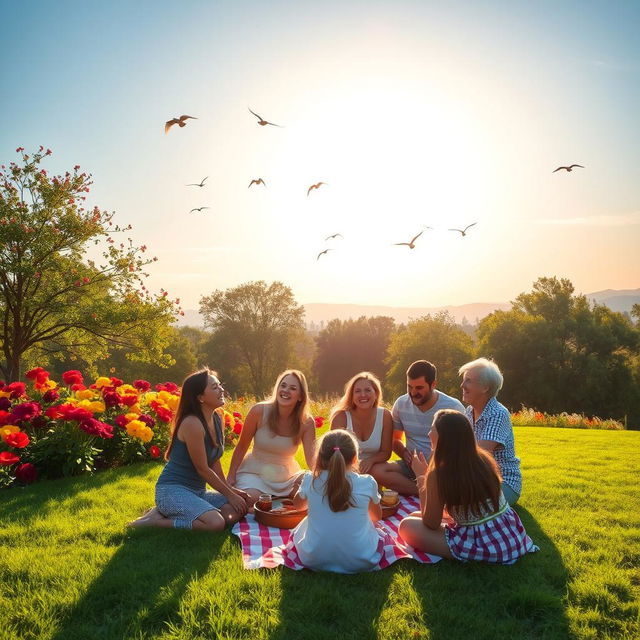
(415, 113)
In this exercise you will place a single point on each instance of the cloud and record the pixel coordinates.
(622, 220)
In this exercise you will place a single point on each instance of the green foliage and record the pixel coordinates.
(53, 298)
(559, 353)
(71, 571)
(345, 347)
(435, 338)
(256, 328)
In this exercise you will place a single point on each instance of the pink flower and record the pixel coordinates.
(96, 428)
(26, 473)
(26, 411)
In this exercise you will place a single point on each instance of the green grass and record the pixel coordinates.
(69, 568)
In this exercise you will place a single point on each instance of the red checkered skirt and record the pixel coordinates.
(501, 540)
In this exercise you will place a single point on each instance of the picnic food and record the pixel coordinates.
(389, 497)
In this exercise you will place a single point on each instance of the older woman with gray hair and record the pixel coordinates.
(491, 421)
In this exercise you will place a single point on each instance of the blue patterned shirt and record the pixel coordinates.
(494, 424)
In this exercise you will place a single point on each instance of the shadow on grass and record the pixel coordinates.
(139, 590)
(324, 605)
(476, 600)
(36, 501)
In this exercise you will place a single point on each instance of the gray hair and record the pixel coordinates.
(488, 372)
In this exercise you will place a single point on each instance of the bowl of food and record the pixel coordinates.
(389, 501)
(282, 514)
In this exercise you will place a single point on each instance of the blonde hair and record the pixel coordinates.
(337, 452)
(346, 402)
(302, 411)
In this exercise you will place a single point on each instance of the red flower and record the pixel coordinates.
(237, 427)
(319, 421)
(238, 415)
(142, 385)
(38, 374)
(51, 396)
(164, 415)
(17, 440)
(129, 400)
(121, 421)
(26, 473)
(171, 387)
(116, 382)
(16, 389)
(154, 451)
(72, 377)
(5, 418)
(5, 404)
(148, 420)
(26, 411)
(78, 386)
(111, 398)
(96, 428)
(7, 458)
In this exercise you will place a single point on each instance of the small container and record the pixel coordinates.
(264, 502)
(389, 497)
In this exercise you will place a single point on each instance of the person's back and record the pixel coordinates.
(341, 541)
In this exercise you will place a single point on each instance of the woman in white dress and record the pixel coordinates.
(338, 534)
(359, 411)
(276, 428)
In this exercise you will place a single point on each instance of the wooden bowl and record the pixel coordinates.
(281, 520)
(389, 510)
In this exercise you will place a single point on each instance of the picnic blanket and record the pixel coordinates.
(267, 547)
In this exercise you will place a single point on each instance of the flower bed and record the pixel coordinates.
(52, 430)
(531, 418)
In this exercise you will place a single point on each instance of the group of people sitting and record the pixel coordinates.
(460, 461)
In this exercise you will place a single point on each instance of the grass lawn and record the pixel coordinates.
(69, 568)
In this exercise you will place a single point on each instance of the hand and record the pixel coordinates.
(365, 466)
(237, 503)
(248, 500)
(231, 479)
(419, 464)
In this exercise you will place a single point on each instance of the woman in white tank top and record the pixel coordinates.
(358, 411)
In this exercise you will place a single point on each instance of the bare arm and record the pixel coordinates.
(339, 421)
(308, 437)
(489, 445)
(298, 501)
(399, 448)
(192, 433)
(247, 434)
(430, 504)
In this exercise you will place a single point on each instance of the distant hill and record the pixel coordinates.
(321, 312)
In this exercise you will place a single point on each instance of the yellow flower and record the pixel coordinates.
(84, 394)
(8, 429)
(131, 416)
(103, 381)
(173, 402)
(134, 427)
(127, 390)
(97, 406)
(5, 394)
(135, 409)
(145, 434)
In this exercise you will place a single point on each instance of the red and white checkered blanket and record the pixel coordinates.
(267, 547)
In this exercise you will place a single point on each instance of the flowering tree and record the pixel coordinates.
(52, 297)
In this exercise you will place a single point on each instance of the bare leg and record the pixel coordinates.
(413, 531)
(152, 518)
(388, 474)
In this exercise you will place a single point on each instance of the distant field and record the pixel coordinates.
(70, 569)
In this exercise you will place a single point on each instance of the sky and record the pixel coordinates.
(419, 117)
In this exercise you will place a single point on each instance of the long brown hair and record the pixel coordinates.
(346, 402)
(189, 405)
(337, 451)
(467, 475)
(300, 414)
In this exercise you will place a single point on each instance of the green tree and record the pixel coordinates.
(259, 324)
(55, 300)
(435, 338)
(345, 347)
(559, 353)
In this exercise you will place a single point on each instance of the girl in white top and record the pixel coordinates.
(338, 534)
(359, 411)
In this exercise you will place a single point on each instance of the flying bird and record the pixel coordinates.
(322, 253)
(315, 186)
(569, 168)
(464, 232)
(262, 122)
(197, 184)
(258, 181)
(335, 235)
(199, 209)
(179, 121)
(411, 244)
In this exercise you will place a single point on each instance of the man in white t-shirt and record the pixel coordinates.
(412, 416)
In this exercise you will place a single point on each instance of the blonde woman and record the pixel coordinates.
(359, 411)
(276, 428)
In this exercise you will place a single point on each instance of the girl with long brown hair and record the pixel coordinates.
(463, 479)
(276, 428)
(338, 534)
(193, 456)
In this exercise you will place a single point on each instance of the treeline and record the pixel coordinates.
(558, 352)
